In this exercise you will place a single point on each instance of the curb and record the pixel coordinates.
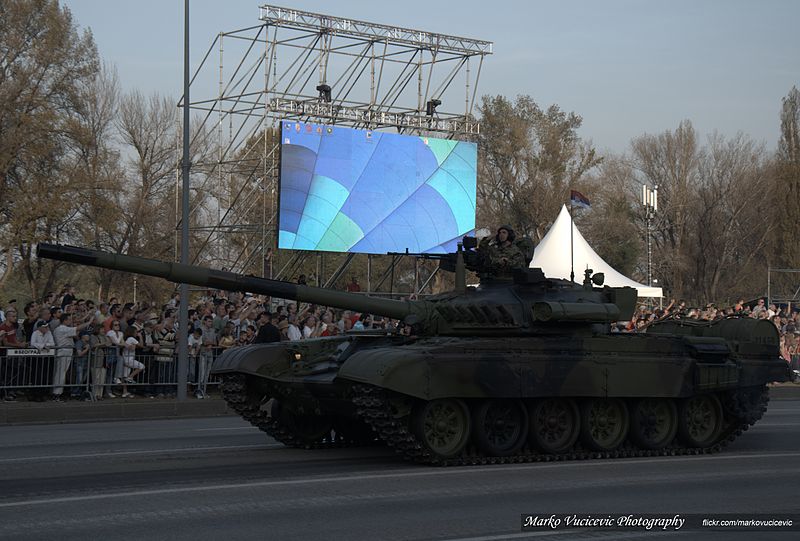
(18, 413)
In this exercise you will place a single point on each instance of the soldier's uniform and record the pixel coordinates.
(501, 259)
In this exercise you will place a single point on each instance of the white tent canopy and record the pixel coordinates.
(552, 255)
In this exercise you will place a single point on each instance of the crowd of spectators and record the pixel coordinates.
(122, 349)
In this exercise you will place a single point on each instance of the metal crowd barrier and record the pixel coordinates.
(39, 375)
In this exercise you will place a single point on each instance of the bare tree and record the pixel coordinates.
(731, 219)
(670, 161)
(44, 61)
(786, 250)
(612, 227)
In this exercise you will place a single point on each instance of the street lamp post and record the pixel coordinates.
(650, 203)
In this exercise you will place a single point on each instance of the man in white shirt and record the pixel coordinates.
(42, 338)
(39, 366)
(294, 332)
(64, 340)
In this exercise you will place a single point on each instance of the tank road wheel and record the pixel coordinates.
(306, 429)
(604, 423)
(501, 426)
(654, 422)
(442, 426)
(700, 420)
(554, 425)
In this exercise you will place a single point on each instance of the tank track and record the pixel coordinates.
(234, 391)
(374, 407)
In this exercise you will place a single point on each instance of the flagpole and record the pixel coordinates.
(571, 245)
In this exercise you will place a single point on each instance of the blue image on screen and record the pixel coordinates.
(347, 190)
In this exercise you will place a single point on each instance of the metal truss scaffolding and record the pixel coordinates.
(316, 68)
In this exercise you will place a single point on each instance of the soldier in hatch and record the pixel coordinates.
(500, 255)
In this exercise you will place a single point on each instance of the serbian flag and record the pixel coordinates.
(577, 199)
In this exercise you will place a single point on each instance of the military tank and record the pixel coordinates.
(520, 368)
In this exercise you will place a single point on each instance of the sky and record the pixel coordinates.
(627, 67)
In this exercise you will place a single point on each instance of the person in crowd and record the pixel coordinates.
(42, 337)
(220, 318)
(146, 352)
(99, 344)
(164, 334)
(311, 329)
(293, 332)
(80, 363)
(345, 316)
(330, 330)
(353, 286)
(55, 317)
(68, 296)
(113, 356)
(11, 336)
(772, 311)
(364, 322)
(41, 366)
(64, 339)
(31, 312)
(195, 350)
(283, 328)
(249, 336)
(267, 333)
(175, 300)
(131, 367)
(206, 357)
(127, 317)
(226, 339)
(115, 311)
(758, 309)
(195, 320)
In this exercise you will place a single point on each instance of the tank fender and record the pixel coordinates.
(256, 359)
(286, 359)
(705, 348)
(431, 371)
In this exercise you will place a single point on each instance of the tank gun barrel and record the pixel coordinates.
(229, 281)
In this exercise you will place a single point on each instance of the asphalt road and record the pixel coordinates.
(219, 478)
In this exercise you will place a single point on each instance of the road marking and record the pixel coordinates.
(419, 472)
(143, 452)
(226, 428)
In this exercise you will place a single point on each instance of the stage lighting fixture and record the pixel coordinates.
(324, 92)
(431, 106)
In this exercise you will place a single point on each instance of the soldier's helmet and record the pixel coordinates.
(511, 234)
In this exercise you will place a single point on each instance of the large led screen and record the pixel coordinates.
(346, 190)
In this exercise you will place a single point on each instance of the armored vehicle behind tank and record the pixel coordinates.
(521, 368)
